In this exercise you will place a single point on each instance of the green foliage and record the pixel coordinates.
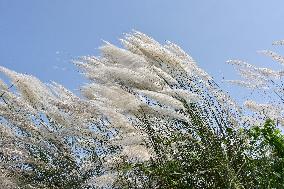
(245, 158)
(269, 135)
(269, 140)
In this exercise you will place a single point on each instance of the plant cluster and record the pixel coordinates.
(148, 118)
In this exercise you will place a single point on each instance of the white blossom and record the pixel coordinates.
(137, 153)
(103, 181)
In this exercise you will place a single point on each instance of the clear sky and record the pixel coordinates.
(39, 37)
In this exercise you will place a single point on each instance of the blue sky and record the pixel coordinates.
(40, 37)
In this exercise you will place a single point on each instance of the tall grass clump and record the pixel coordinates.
(149, 117)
